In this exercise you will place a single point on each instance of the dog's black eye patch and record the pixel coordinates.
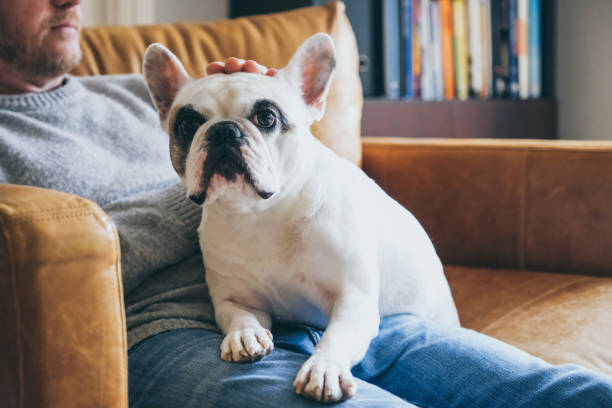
(187, 123)
(266, 115)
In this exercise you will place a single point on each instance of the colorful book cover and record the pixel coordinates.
(391, 36)
(475, 34)
(436, 50)
(522, 47)
(406, 26)
(448, 69)
(461, 53)
(535, 48)
(513, 71)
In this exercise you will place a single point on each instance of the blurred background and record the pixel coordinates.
(575, 101)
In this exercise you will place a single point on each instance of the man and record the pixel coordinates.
(99, 138)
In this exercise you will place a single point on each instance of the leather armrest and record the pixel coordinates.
(515, 204)
(62, 341)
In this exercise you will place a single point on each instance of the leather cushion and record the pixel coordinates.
(269, 39)
(561, 318)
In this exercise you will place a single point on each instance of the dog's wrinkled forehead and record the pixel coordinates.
(225, 96)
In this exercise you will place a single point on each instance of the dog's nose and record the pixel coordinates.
(224, 132)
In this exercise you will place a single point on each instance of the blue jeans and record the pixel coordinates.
(411, 359)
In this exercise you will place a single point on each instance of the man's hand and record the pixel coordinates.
(233, 64)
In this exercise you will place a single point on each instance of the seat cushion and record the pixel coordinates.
(560, 318)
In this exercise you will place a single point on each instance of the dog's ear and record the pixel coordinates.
(165, 76)
(311, 69)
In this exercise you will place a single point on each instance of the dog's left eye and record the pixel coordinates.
(265, 118)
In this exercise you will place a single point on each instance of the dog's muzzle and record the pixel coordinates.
(223, 141)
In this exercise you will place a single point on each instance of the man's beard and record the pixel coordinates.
(34, 59)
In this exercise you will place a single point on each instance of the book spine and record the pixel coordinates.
(365, 17)
(392, 48)
(487, 49)
(475, 34)
(436, 48)
(460, 41)
(446, 14)
(417, 55)
(522, 50)
(427, 90)
(535, 48)
(499, 47)
(513, 70)
(406, 13)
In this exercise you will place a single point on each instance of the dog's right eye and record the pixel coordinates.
(187, 123)
(187, 128)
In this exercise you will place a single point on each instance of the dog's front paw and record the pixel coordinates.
(325, 379)
(246, 345)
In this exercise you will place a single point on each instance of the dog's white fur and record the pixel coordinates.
(329, 248)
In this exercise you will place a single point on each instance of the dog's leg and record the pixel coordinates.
(247, 332)
(326, 375)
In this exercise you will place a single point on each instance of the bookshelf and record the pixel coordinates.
(472, 118)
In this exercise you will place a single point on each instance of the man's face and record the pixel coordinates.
(40, 37)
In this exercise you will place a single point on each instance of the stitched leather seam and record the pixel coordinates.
(13, 277)
(65, 208)
(108, 223)
(501, 149)
(32, 218)
(522, 212)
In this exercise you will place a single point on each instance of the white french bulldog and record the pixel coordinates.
(290, 231)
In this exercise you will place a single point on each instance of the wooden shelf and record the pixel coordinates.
(473, 118)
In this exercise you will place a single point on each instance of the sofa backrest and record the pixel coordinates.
(269, 39)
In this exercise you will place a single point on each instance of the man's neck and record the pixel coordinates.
(14, 82)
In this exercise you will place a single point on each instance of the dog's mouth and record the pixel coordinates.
(227, 162)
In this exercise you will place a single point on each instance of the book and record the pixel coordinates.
(365, 17)
(499, 47)
(513, 72)
(406, 27)
(487, 59)
(417, 57)
(535, 48)
(475, 38)
(522, 47)
(448, 70)
(436, 50)
(427, 89)
(391, 39)
(461, 54)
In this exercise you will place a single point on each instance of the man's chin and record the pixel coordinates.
(57, 61)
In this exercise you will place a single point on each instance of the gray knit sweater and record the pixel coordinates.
(100, 138)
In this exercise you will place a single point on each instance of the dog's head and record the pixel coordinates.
(243, 137)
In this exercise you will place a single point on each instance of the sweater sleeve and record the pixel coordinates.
(156, 229)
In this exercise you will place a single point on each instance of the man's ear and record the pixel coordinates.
(311, 69)
(165, 76)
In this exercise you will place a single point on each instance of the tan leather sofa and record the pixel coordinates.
(523, 227)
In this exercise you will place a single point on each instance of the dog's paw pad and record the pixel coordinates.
(325, 380)
(250, 344)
